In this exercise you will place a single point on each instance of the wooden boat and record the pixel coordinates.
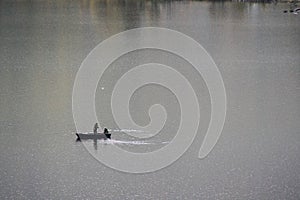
(93, 136)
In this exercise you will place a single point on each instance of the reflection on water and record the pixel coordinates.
(256, 47)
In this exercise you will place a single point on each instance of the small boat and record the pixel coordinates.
(93, 136)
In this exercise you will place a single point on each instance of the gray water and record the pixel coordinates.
(256, 48)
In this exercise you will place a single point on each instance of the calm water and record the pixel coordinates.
(256, 47)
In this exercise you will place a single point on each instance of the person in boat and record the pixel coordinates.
(107, 134)
(105, 131)
(96, 128)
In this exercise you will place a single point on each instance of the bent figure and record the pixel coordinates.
(106, 133)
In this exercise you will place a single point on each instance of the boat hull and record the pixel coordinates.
(92, 136)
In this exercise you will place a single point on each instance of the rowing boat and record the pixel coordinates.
(93, 136)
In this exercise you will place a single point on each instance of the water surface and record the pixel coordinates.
(256, 47)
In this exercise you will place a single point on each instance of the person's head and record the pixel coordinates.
(105, 130)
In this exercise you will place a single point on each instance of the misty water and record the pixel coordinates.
(256, 48)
